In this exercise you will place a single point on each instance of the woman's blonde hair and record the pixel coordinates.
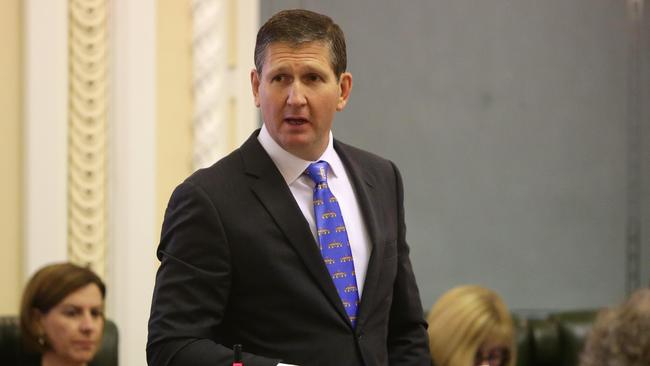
(463, 319)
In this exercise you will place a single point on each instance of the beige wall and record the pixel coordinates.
(174, 99)
(174, 133)
(10, 156)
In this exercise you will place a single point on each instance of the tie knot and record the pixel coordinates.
(318, 171)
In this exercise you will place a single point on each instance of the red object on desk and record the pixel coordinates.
(237, 361)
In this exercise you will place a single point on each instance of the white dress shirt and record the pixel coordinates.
(292, 169)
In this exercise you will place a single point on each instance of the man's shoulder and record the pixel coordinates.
(231, 168)
(360, 156)
(221, 172)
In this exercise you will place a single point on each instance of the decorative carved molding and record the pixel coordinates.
(209, 81)
(87, 134)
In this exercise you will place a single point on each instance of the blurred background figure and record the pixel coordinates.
(471, 325)
(621, 336)
(62, 316)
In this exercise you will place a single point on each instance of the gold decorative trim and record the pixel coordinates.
(232, 34)
(87, 134)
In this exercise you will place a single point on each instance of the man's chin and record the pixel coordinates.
(304, 150)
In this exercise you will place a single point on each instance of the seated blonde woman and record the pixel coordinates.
(471, 326)
(621, 336)
(62, 316)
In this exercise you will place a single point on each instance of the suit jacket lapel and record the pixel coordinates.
(273, 192)
(365, 188)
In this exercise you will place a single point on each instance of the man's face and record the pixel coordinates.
(298, 94)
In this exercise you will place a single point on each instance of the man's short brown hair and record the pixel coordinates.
(298, 26)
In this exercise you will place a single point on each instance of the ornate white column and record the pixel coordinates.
(209, 48)
(65, 73)
(132, 178)
(87, 134)
(223, 40)
(45, 134)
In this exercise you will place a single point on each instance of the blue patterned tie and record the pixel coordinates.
(333, 239)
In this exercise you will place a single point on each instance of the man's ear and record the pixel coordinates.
(255, 85)
(345, 87)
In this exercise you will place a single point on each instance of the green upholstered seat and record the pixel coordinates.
(554, 339)
(573, 328)
(12, 351)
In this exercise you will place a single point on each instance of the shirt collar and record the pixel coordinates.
(292, 167)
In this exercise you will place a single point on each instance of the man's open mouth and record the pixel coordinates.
(295, 121)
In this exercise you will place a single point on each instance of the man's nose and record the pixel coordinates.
(296, 95)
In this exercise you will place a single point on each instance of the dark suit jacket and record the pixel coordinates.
(239, 264)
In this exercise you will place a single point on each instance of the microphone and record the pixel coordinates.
(237, 361)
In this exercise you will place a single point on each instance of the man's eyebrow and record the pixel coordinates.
(276, 69)
(315, 69)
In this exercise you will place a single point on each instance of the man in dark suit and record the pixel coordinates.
(246, 255)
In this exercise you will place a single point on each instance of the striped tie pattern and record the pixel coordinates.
(333, 240)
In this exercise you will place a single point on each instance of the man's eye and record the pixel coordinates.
(279, 78)
(314, 77)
